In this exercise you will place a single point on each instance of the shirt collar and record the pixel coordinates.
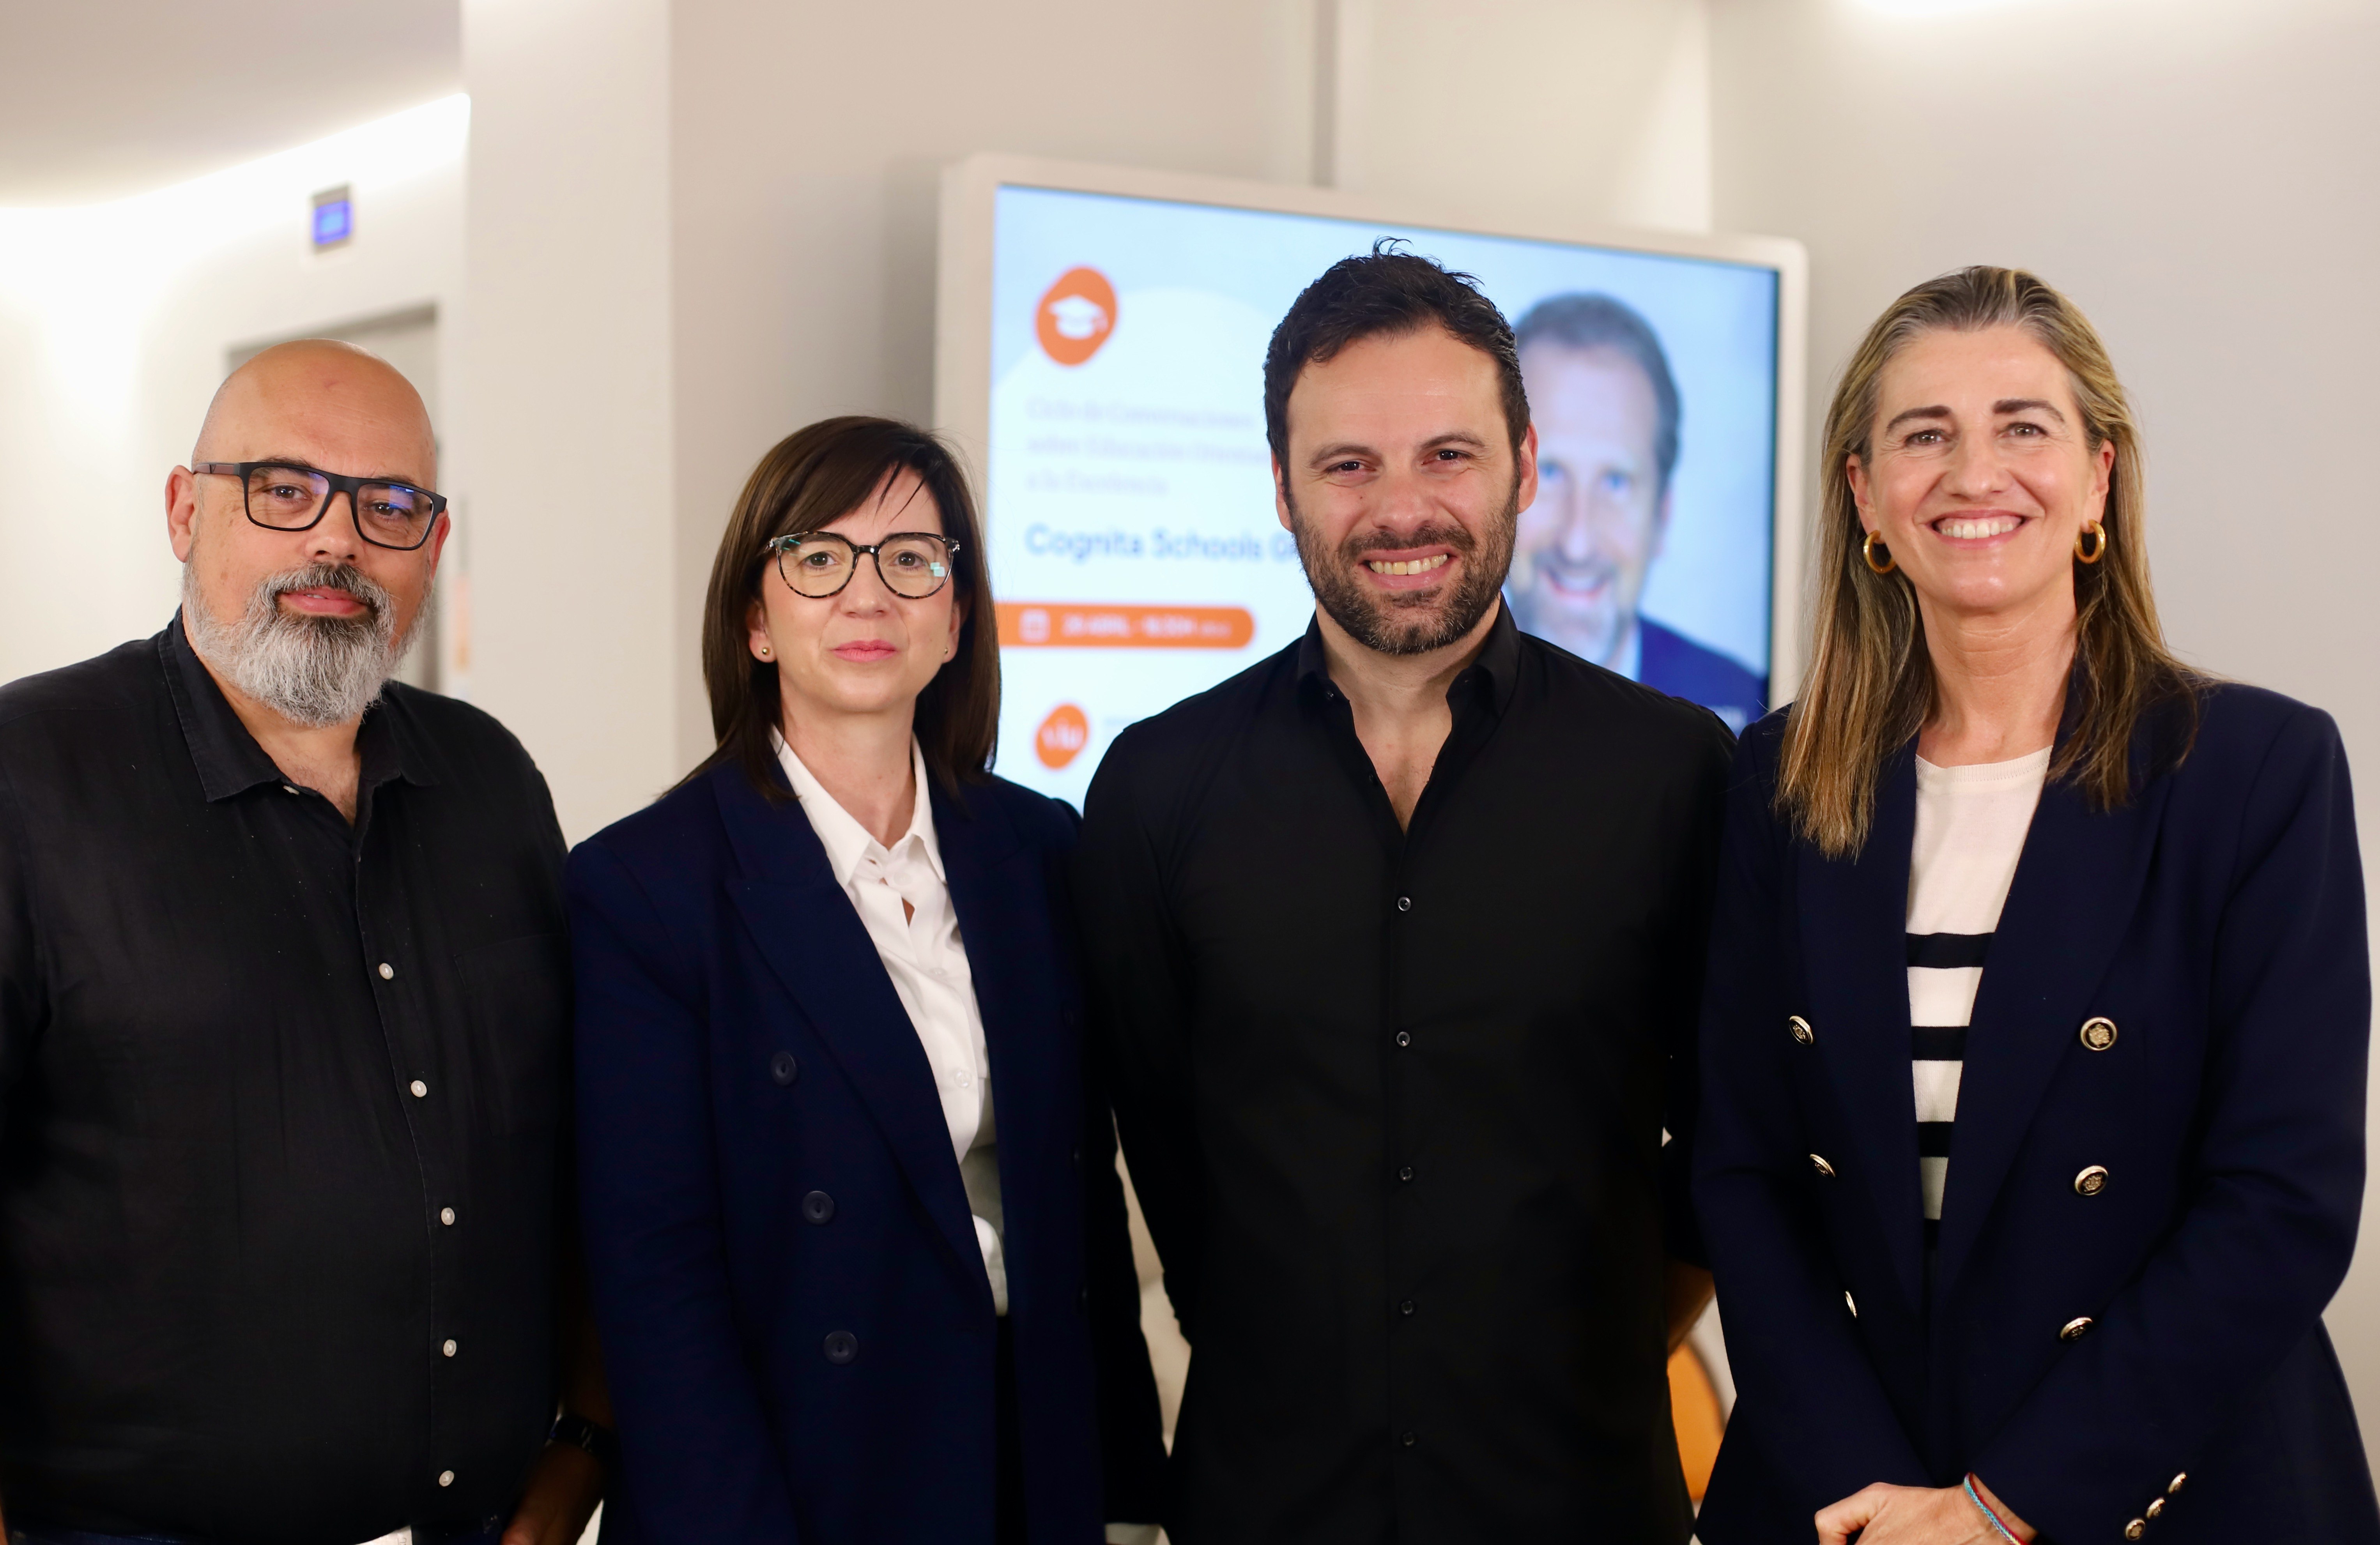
(839, 832)
(1494, 674)
(228, 759)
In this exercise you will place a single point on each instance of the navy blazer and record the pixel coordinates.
(2217, 921)
(796, 1320)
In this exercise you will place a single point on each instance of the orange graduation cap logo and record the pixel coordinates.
(1076, 316)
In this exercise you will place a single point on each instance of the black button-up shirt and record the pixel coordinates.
(282, 1103)
(1394, 1099)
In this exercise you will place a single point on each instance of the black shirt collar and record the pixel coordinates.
(1492, 676)
(228, 759)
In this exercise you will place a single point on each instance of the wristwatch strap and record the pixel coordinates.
(580, 1434)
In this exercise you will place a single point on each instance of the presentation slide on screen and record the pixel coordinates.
(1129, 493)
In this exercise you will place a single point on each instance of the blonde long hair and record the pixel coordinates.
(1870, 683)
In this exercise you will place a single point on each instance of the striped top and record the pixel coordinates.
(1971, 826)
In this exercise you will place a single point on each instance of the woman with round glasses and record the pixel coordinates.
(851, 1216)
(2031, 1137)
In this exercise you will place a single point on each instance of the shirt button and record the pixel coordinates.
(446, 1217)
(1406, 1307)
(289, 787)
(445, 1477)
(1404, 903)
(448, 1348)
(421, 1090)
(1405, 1038)
(387, 972)
(1405, 1174)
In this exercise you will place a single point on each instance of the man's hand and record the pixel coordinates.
(559, 1498)
(1685, 1292)
(1882, 1515)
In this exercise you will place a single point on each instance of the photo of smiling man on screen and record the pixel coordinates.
(1607, 412)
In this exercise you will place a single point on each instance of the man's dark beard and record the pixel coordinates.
(1411, 622)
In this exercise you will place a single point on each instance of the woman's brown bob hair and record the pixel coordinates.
(808, 479)
(1870, 683)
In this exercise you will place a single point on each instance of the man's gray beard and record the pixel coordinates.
(1378, 627)
(316, 671)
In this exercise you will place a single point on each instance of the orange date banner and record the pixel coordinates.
(1095, 625)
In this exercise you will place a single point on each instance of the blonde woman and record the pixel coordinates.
(2032, 1141)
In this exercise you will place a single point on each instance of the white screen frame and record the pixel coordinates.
(962, 316)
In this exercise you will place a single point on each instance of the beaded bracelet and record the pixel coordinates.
(1985, 1508)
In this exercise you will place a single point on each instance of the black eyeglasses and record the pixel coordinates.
(913, 564)
(286, 496)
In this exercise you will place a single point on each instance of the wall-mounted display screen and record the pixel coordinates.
(1128, 490)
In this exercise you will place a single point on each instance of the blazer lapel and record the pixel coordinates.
(2077, 885)
(805, 927)
(1855, 917)
(999, 913)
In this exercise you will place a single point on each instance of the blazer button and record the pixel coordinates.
(2098, 1034)
(2134, 1529)
(1852, 1304)
(2173, 1489)
(817, 1207)
(2155, 1507)
(1802, 1033)
(841, 1348)
(2076, 1328)
(784, 1069)
(2092, 1181)
(1825, 1170)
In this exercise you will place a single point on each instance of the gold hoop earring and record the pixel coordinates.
(1868, 551)
(2098, 535)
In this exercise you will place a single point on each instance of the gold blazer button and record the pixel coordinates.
(2098, 1034)
(1825, 1170)
(1802, 1033)
(2075, 1329)
(2092, 1181)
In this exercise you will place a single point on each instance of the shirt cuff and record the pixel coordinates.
(1132, 1534)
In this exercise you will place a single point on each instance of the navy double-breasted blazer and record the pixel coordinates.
(797, 1324)
(2217, 921)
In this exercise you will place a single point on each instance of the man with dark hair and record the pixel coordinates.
(1607, 418)
(1395, 941)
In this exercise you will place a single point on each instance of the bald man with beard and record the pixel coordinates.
(285, 1242)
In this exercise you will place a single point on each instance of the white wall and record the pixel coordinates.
(2199, 175)
(1556, 111)
(563, 451)
(115, 320)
